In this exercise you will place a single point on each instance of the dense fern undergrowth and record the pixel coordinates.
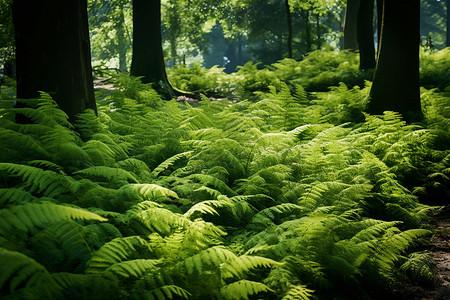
(286, 194)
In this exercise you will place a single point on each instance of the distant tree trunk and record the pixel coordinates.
(148, 57)
(364, 31)
(289, 25)
(305, 14)
(53, 53)
(350, 25)
(239, 51)
(121, 37)
(447, 43)
(319, 36)
(396, 80)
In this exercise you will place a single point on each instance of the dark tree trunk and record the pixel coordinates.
(319, 35)
(305, 14)
(380, 6)
(364, 31)
(447, 43)
(148, 57)
(350, 24)
(289, 26)
(396, 80)
(53, 53)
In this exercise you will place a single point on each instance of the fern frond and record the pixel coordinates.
(109, 173)
(115, 251)
(420, 267)
(209, 259)
(147, 191)
(298, 292)
(27, 217)
(20, 271)
(243, 289)
(48, 183)
(213, 182)
(162, 293)
(14, 196)
(235, 268)
(133, 268)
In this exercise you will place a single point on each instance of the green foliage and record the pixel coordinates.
(292, 195)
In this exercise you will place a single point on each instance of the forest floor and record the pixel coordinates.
(439, 249)
(438, 246)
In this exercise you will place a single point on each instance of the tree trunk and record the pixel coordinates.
(319, 36)
(289, 25)
(364, 31)
(350, 24)
(380, 4)
(447, 43)
(396, 80)
(53, 53)
(305, 14)
(121, 37)
(148, 57)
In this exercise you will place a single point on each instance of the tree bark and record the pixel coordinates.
(121, 40)
(380, 4)
(289, 26)
(364, 31)
(305, 14)
(319, 34)
(53, 53)
(350, 25)
(396, 81)
(148, 57)
(447, 42)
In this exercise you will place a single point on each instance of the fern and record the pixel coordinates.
(28, 216)
(18, 271)
(109, 173)
(420, 267)
(243, 289)
(300, 292)
(115, 251)
(47, 183)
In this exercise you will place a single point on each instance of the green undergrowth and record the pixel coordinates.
(318, 71)
(295, 196)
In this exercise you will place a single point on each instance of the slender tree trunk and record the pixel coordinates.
(121, 36)
(239, 50)
(350, 24)
(289, 26)
(148, 57)
(396, 80)
(319, 35)
(305, 14)
(364, 31)
(447, 43)
(53, 53)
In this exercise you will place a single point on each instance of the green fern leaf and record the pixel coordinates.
(133, 268)
(148, 191)
(298, 292)
(243, 289)
(20, 270)
(27, 217)
(48, 183)
(115, 251)
(111, 174)
(169, 162)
